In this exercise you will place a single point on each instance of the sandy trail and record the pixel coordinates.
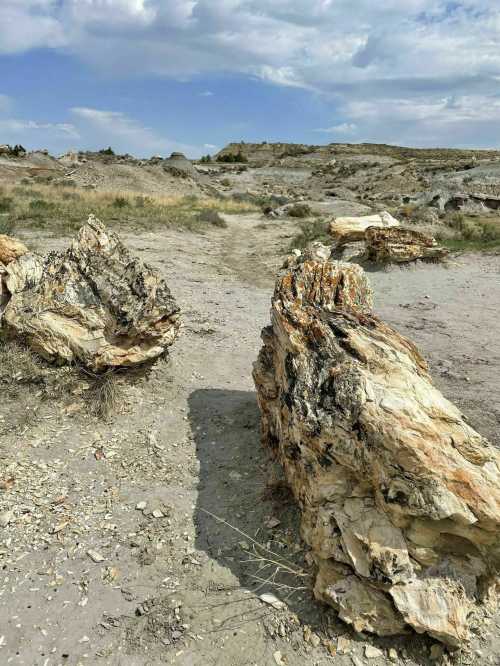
(187, 442)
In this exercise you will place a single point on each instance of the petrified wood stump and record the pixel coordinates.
(400, 497)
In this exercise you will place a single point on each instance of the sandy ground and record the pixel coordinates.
(112, 558)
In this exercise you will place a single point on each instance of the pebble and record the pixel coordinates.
(140, 506)
(278, 658)
(343, 645)
(315, 640)
(95, 556)
(393, 655)
(157, 513)
(5, 518)
(272, 601)
(372, 652)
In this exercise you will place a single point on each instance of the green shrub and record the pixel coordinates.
(107, 151)
(310, 230)
(233, 158)
(40, 205)
(206, 159)
(120, 202)
(6, 204)
(299, 210)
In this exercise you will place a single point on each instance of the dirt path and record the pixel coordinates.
(113, 555)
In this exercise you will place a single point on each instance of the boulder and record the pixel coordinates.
(399, 496)
(351, 229)
(10, 249)
(398, 245)
(95, 304)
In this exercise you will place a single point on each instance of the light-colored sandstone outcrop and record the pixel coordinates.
(396, 245)
(400, 497)
(95, 304)
(351, 229)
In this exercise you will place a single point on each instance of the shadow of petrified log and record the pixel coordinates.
(400, 497)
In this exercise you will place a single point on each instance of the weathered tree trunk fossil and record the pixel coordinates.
(400, 497)
(10, 249)
(351, 229)
(95, 304)
(384, 246)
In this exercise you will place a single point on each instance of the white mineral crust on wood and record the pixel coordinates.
(400, 497)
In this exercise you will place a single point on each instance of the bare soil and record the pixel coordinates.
(130, 542)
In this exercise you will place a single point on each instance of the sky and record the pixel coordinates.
(153, 76)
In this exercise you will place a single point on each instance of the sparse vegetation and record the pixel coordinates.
(300, 210)
(107, 151)
(233, 158)
(310, 230)
(206, 159)
(213, 217)
(58, 210)
(470, 233)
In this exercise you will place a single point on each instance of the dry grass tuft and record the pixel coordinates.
(63, 210)
(104, 394)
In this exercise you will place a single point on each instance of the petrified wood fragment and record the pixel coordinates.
(400, 497)
(95, 304)
(396, 245)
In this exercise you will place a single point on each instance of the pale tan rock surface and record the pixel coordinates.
(351, 229)
(400, 497)
(10, 249)
(95, 304)
(396, 245)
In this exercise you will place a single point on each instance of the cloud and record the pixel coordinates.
(403, 62)
(207, 93)
(125, 134)
(343, 128)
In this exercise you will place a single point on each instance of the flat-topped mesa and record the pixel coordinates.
(400, 497)
(95, 304)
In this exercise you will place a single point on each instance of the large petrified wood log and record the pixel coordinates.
(400, 497)
(94, 304)
(396, 245)
(352, 229)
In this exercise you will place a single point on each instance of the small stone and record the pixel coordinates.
(372, 652)
(343, 645)
(393, 655)
(157, 513)
(315, 640)
(95, 556)
(278, 658)
(272, 523)
(273, 601)
(140, 506)
(6, 517)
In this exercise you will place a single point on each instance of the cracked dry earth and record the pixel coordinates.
(113, 554)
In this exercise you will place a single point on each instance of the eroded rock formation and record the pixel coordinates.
(400, 497)
(397, 245)
(95, 304)
(351, 229)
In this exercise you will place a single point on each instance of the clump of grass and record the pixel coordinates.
(19, 368)
(310, 230)
(103, 395)
(120, 202)
(6, 204)
(213, 217)
(299, 210)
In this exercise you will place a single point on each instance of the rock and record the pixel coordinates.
(437, 652)
(393, 655)
(384, 246)
(372, 652)
(350, 229)
(273, 601)
(6, 517)
(95, 556)
(95, 304)
(278, 658)
(384, 468)
(10, 249)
